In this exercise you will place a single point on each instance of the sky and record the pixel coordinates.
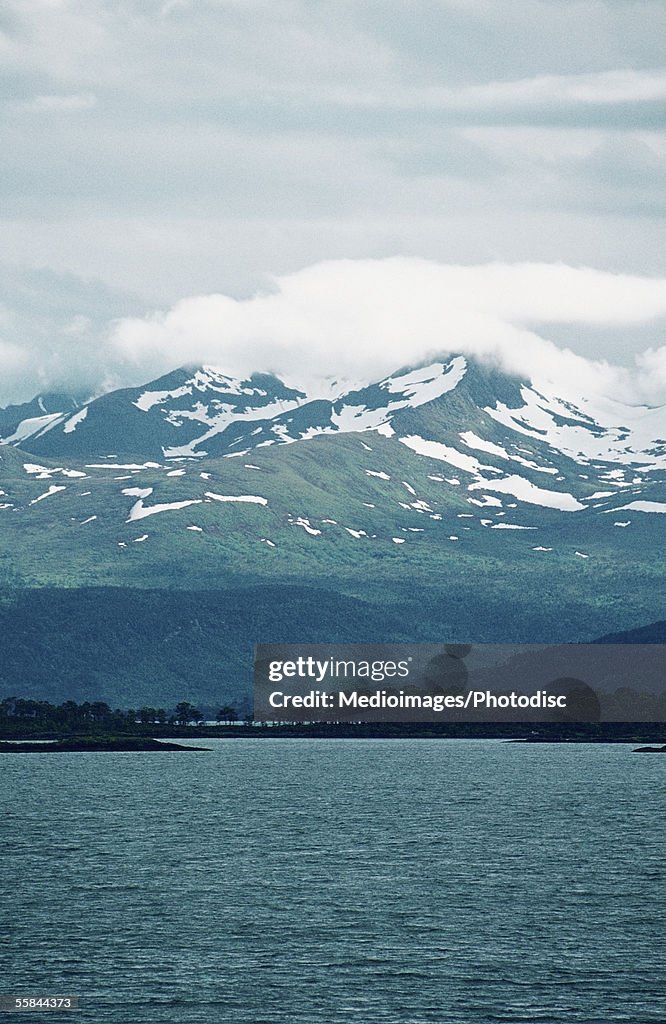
(330, 187)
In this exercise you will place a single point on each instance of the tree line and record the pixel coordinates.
(22, 714)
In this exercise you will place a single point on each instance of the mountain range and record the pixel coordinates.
(449, 501)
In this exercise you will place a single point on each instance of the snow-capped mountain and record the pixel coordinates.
(452, 437)
(443, 500)
(205, 413)
(178, 411)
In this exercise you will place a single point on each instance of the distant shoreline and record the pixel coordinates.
(129, 744)
(644, 734)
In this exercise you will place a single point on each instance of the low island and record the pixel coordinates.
(105, 744)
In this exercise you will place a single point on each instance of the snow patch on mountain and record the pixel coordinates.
(252, 499)
(138, 492)
(46, 472)
(148, 399)
(511, 526)
(33, 426)
(487, 499)
(306, 524)
(443, 452)
(128, 465)
(73, 421)
(53, 489)
(639, 506)
(351, 418)
(428, 382)
(526, 491)
(471, 440)
(140, 511)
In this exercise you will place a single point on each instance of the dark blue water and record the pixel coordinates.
(384, 882)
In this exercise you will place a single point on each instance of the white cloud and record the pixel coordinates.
(359, 319)
(604, 88)
(13, 359)
(652, 369)
(72, 101)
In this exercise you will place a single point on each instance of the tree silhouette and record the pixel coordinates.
(186, 713)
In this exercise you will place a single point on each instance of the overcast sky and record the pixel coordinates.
(156, 150)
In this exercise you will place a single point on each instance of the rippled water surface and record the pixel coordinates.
(307, 881)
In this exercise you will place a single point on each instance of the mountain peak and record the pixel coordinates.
(452, 401)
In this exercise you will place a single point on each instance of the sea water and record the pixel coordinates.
(316, 881)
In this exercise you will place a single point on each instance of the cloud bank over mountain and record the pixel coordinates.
(356, 319)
